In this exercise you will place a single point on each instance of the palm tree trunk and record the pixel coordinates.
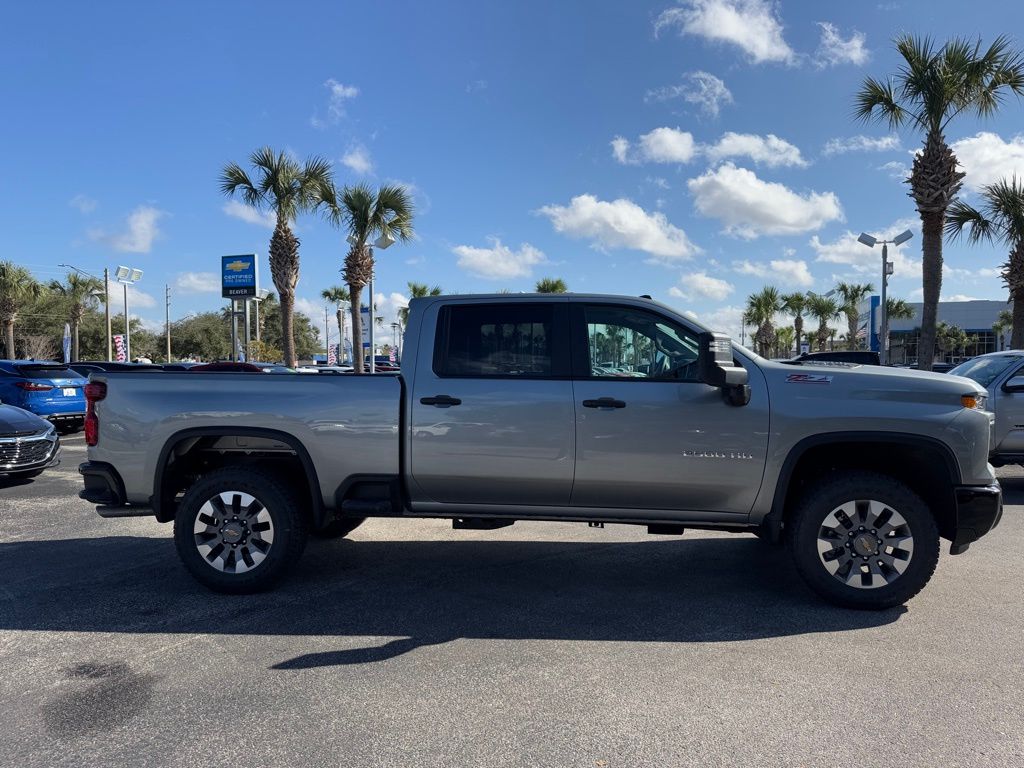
(931, 268)
(341, 334)
(9, 338)
(356, 294)
(851, 329)
(798, 327)
(1017, 331)
(287, 328)
(74, 327)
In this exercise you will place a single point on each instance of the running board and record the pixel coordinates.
(480, 523)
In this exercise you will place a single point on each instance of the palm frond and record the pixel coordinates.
(876, 102)
(961, 218)
(234, 179)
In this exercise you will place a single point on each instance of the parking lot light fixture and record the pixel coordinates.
(127, 276)
(887, 269)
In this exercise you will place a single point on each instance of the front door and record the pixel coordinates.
(491, 419)
(649, 435)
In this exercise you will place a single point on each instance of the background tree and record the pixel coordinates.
(417, 291)
(932, 87)
(761, 310)
(850, 297)
(287, 189)
(17, 289)
(367, 214)
(824, 309)
(950, 339)
(339, 296)
(794, 304)
(999, 218)
(552, 285)
(784, 338)
(1003, 323)
(80, 293)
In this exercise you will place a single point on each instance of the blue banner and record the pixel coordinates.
(238, 276)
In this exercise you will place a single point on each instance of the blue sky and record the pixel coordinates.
(693, 150)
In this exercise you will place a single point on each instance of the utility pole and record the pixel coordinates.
(106, 310)
(327, 334)
(167, 318)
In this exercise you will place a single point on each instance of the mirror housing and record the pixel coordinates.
(717, 367)
(1014, 384)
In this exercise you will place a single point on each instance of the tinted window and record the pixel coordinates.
(631, 343)
(985, 370)
(33, 372)
(496, 340)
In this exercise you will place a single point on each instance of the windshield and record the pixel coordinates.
(44, 372)
(985, 370)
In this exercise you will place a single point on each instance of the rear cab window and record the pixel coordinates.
(492, 340)
(46, 372)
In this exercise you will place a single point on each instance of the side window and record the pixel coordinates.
(501, 340)
(631, 343)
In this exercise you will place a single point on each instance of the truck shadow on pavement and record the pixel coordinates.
(430, 592)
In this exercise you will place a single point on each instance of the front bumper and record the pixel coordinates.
(978, 510)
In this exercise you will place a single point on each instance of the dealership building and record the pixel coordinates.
(976, 318)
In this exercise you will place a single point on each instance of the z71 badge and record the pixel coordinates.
(808, 378)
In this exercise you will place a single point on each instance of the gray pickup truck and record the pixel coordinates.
(1002, 375)
(588, 408)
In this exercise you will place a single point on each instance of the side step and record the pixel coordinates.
(666, 529)
(480, 523)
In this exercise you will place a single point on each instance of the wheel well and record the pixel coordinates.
(924, 468)
(189, 456)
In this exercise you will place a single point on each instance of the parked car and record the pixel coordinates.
(861, 468)
(85, 367)
(50, 390)
(28, 443)
(1002, 376)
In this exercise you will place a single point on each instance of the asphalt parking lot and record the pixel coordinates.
(535, 645)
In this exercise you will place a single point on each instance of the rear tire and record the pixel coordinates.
(239, 530)
(863, 540)
(337, 529)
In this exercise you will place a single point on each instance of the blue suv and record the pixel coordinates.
(50, 390)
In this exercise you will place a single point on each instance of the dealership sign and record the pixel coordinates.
(239, 276)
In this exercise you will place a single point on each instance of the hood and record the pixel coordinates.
(872, 382)
(17, 421)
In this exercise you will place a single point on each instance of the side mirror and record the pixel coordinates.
(1014, 384)
(716, 366)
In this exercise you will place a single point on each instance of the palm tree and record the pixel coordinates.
(999, 219)
(794, 304)
(895, 309)
(552, 285)
(761, 310)
(286, 188)
(337, 295)
(417, 291)
(932, 87)
(367, 214)
(850, 297)
(824, 309)
(81, 293)
(784, 338)
(17, 288)
(1000, 326)
(949, 339)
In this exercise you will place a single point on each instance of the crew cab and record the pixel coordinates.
(589, 408)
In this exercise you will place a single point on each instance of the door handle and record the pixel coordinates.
(440, 401)
(604, 402)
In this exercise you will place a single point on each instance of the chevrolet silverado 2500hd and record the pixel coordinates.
(573, 407)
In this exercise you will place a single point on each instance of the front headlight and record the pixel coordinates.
(974, 400)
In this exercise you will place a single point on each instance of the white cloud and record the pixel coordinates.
(620, 224)
(83, 203)
(986, 158)
(861, 143)
(959, 297)
(142, 228)
(790, 272)
(658, 182)
(339, 94)
(499, 262)
(767, 150)
(387, 307)
(727, 319)
(136, 299)
(701, 88)
(751, 25)
(701, 285)
(896, 170)
(868, 261)
(198, 282)
(990, 272)
(662, 145)
(750, 207)
(314, 310)
(358, 159)
(476, 85)
(250, 215)
(833, 49)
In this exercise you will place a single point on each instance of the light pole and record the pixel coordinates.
(394, 328)
(381, 243)
(127, 276)
(106, 300)
(870, 242)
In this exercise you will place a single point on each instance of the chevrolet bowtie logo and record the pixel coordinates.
(237, 266)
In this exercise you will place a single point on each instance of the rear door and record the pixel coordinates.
(649, 434)
(491, 415)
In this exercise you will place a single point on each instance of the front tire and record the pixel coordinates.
(239, 530)
(864, 540)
